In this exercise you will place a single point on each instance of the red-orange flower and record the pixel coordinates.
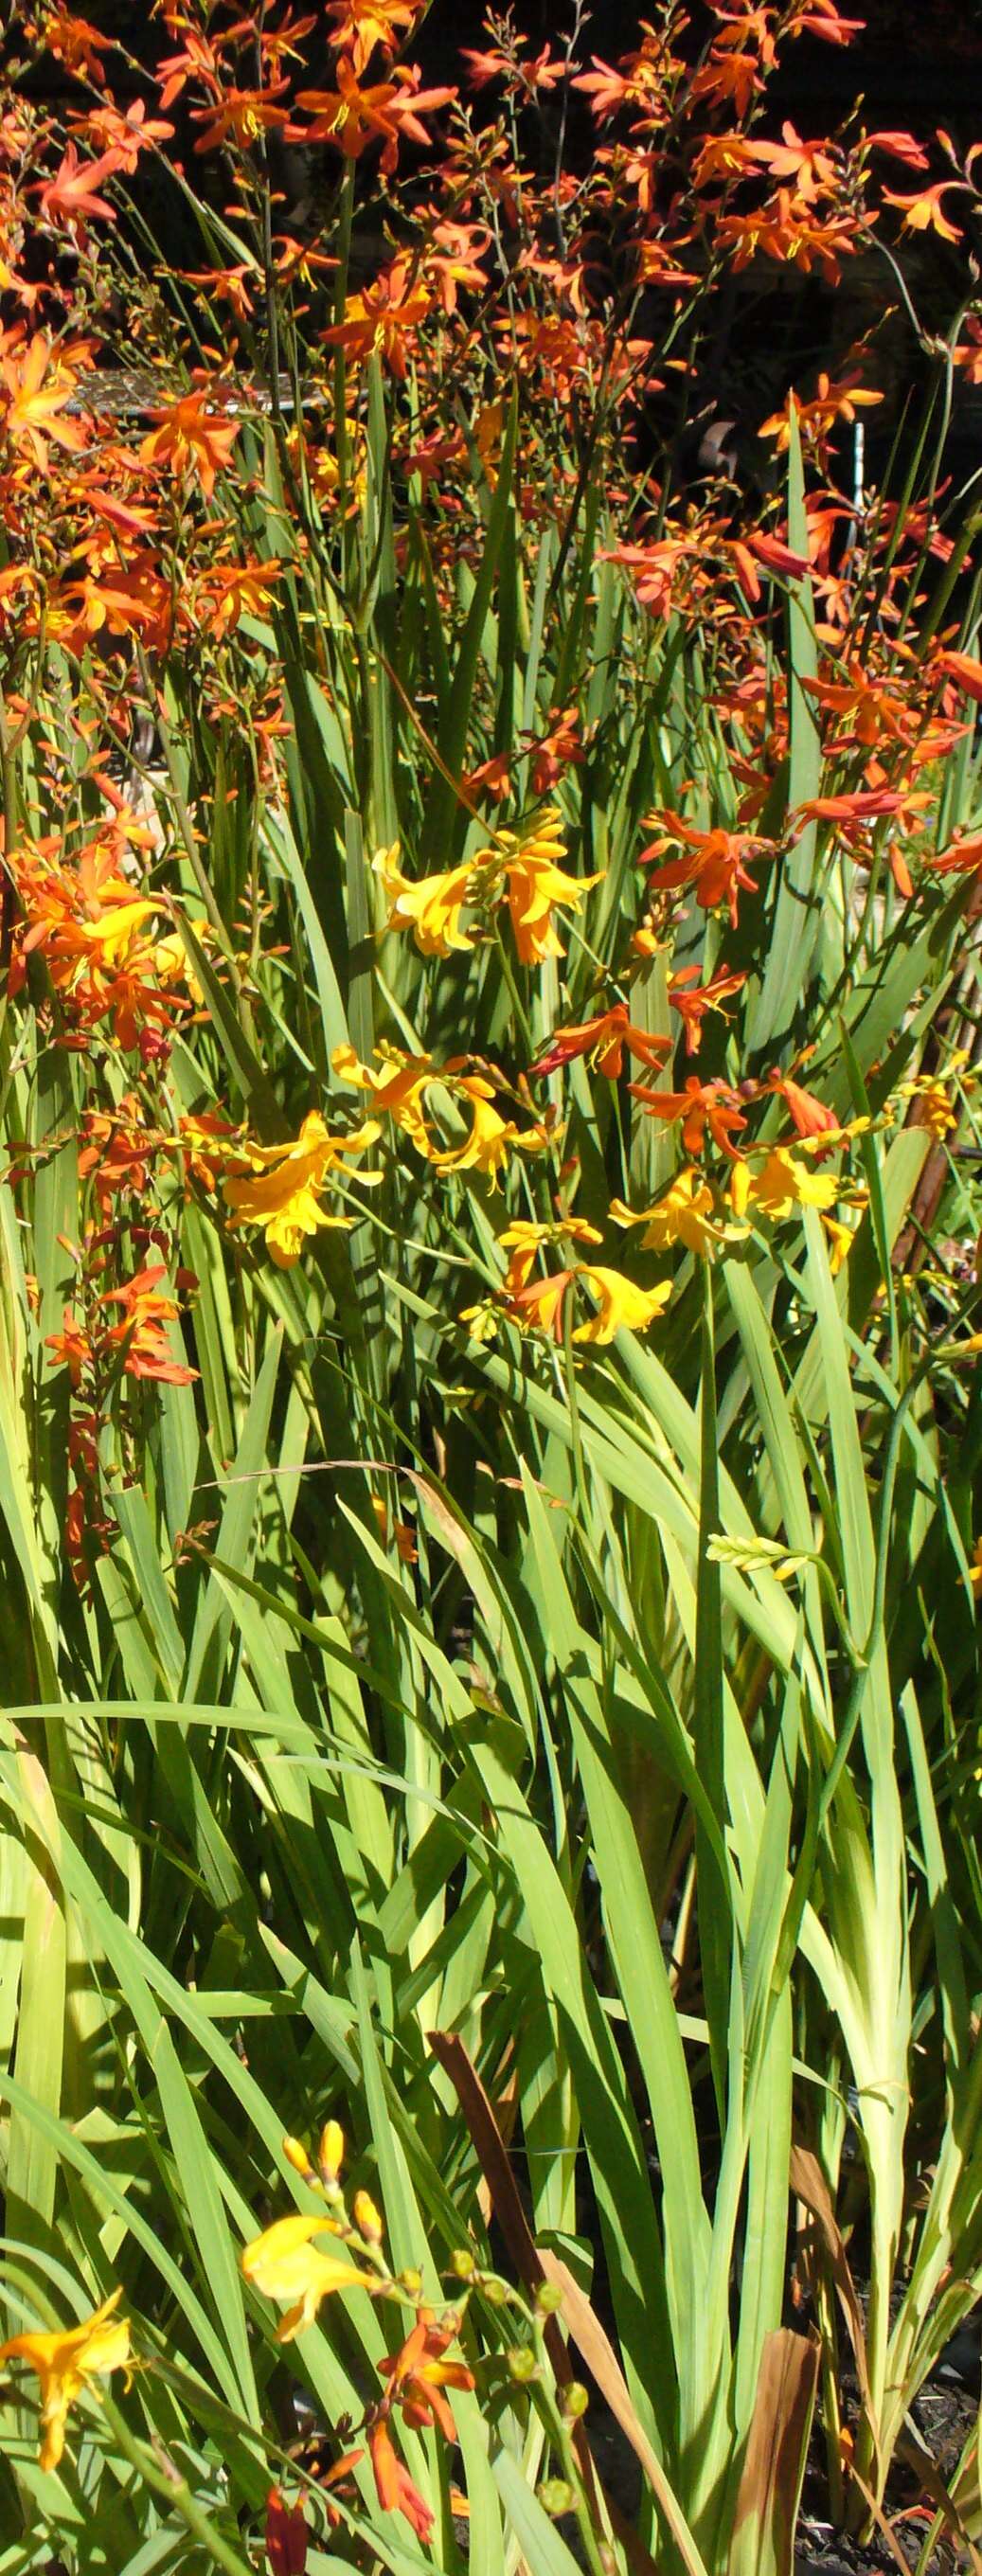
(692, 1000)
(75, 43)
(418, 2374)
(396, 2492)
(604, 1039)
(699, 1106)
(714, 863)
(139, 1337)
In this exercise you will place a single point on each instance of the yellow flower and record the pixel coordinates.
(65, 2362)
(523, 1239)
(782, 1184)
(284, 2264)
(485, 1149)
(535, 883)
(399, 1087)
(684, 1214)
(840, 1241)
(522, 868)
(937, 1113)
(282, 1188)
(623, 1307)
(431, 908)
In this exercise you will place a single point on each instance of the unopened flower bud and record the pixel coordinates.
(495, 2292)
(556, 2497)
(522, 2364)
(410, 2280)
(548, 2298)
(330, 2153)
(573, 2400)
(296, 2155)
(462, 2263)
(366, 2218)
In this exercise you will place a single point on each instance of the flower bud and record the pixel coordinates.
(462, 2263)
(296, 2155)
(573, 2400)
(410, 2280)
(522, 2364)
(548, 2298)
(286, 2535)
(366, 2218)
(330, 2153)
(495, 2292)
(556, 2497)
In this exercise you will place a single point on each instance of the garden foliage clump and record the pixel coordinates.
(490, 1435)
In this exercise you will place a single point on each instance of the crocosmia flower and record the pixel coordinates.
(65, 2362)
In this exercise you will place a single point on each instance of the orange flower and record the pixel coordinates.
(363, 24)
(964, 670)
(810, 1115)
(65, 2362)
(805, 164)
(37, 380)
(385, 317)
(128, 135)
(228, 592)
(70, 196)
(923, 213)
(540, 1302)
(352, 116)
(190, 438)
(962, 858)
(720, 158)
(829, 404)
(876, 709)
(94, 932)
(789, 229)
